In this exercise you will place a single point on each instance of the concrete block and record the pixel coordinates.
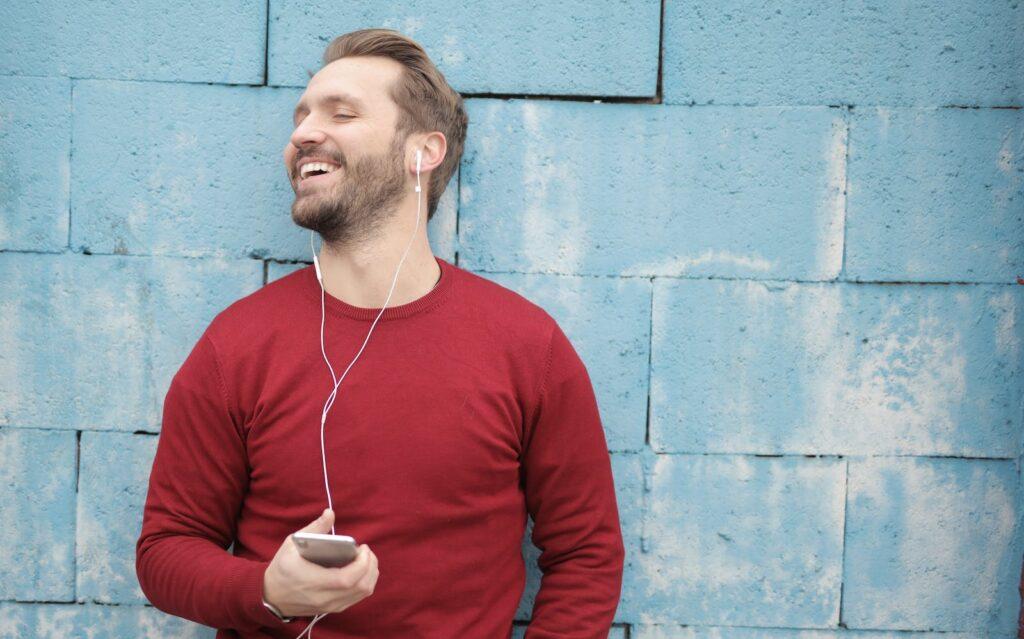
(94, 340)
(936, 195)
(931, 545)
(738, 540)
(604, 47)
(37, 499)
(113, 480)
(35, 165)
(71, 621)
(671, 631)
(183, 169)
(627, 189)
(864, 52)
(820, 368)
(140, 40)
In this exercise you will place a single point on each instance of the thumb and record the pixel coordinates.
(321, 524)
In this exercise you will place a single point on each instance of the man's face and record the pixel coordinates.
(355, 136)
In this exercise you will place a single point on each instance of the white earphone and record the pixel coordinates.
(419, 156)
(323, 351)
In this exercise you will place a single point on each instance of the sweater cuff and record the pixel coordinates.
(249, 582)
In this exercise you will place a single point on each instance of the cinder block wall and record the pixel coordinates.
(785, 237)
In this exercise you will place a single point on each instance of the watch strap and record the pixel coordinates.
(277, 613)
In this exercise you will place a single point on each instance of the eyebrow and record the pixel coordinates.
(333, 98)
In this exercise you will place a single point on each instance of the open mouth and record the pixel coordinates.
(315, 172)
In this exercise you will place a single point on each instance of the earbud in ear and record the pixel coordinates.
(419, 157)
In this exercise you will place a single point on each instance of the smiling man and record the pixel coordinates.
(462, 407)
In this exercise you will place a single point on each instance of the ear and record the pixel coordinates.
(434, 146)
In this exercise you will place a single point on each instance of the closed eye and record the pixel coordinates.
(343, 115)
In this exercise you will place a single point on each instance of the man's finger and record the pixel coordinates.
(321, 524)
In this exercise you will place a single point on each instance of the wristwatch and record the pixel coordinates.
(277, 613)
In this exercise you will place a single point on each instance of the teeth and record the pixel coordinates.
(316, 166)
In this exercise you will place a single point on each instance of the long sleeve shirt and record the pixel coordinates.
(468, 409)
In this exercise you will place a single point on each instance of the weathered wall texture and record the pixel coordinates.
(785, 237)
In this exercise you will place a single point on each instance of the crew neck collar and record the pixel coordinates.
(432, 298)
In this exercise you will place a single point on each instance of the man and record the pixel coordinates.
(465, 409)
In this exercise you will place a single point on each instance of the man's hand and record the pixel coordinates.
(301, 588)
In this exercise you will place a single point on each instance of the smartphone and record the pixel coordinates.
(330, 551)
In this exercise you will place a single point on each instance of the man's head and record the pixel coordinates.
(394, 101)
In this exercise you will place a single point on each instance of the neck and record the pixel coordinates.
(361, 275)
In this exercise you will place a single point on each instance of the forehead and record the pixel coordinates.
(361, 82)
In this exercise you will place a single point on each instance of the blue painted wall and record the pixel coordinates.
(786, 238)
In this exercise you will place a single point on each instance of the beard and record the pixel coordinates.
(355, 200)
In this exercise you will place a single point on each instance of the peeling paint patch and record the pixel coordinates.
(677, 266)
(931, 545)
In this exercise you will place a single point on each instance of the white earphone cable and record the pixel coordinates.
(337, 381)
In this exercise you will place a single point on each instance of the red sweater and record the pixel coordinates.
(468, 409)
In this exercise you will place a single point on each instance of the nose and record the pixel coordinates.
(306, 133)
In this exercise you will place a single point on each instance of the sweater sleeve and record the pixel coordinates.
(196, 486)
(570, 494)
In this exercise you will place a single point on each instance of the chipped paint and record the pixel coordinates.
(678, 266)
